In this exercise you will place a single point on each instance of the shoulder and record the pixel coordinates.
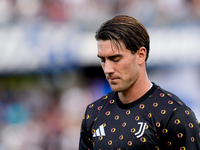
(167, 98)
(173, 110)
(178, 124)
(164, 104)
(100, 103)
(94, 109)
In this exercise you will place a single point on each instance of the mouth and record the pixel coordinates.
(112, 80)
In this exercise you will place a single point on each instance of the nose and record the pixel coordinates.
(108, 68)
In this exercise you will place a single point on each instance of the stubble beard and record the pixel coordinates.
(118, 87)
(121, 86)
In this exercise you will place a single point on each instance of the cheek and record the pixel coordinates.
(129, 67)
(130, 70)
(129, 64)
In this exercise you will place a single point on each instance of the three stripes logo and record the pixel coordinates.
(100, 131)
(141, 129)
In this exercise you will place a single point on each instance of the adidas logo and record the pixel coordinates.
(100, 131)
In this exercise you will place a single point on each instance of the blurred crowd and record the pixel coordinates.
(45, 112)
(90, 11)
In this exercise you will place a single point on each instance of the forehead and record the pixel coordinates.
(107, 47)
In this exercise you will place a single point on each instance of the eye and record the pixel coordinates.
(116, 59)
(102, 60)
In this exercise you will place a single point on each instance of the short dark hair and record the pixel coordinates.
(126, 29)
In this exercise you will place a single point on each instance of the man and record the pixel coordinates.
(138, 114)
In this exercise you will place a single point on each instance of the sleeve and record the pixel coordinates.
(85, 141)
(182, 131)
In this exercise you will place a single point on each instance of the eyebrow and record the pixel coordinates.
(111, 57)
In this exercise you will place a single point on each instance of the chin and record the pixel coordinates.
(115, 89)
(118, 88)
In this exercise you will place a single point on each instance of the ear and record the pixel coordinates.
(141, 55)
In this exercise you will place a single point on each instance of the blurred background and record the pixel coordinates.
(49, 71)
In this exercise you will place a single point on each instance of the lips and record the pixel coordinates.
(112, 78)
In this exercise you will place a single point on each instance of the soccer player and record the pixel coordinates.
(138, 114)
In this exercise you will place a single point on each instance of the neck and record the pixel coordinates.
(138, 89)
